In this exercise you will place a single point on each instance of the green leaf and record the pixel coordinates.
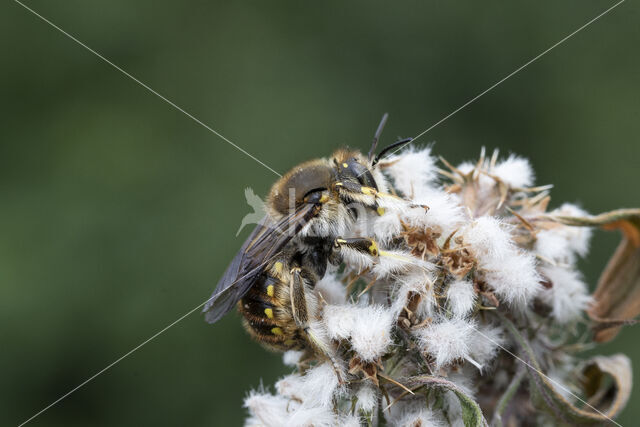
(471, 412)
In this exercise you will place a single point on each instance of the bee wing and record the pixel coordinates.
(264, 243)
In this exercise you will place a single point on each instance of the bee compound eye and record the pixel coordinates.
(316, 196)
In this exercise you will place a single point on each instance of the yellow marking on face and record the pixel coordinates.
(344, 165)
(373, 249)
(367, 190)
(278, 267)
(269, 312)
(324, 198)
(289, 342)
(270, 291)
(277, 331)
(380, 211)
(341, 241)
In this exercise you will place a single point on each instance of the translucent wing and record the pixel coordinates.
(266, 241)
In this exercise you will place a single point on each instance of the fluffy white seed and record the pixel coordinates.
(447, 340)
(368, 328)
(515, 171)
(507, 269)
(266, 410)
(331, 289)
(367, 398)
(485, 344)
(385, 227)
(554, 246)
(317, 387)
(578, 237)
(568, 294)
(292, 357)
(461, 298)
(419, 281)
(420, 418)
(316, 416)
(412, 171)
(444, 213)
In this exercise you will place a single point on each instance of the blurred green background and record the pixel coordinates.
(118, 213)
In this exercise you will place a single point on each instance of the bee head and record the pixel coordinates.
(307, 183)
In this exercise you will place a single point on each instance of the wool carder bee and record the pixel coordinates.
(308, 209)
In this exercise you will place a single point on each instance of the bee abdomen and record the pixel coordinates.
(266, 317)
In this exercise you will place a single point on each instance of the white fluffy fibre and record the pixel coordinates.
(413, 171)
(391, 262)
(444, 211)
(292, 357)
(515, 171)
(578, 238)
(507, 269)
(368, 328)
(357, 260)
(447, 340)
(266, 410)
(316, 416)
(367, 399)
(553, 245)
(568, 296)
(485, 344)
(302, 400)
(349, 421)
(418, 281)
(331, 289)
(563, 244)
(458, 254)
(484, 182)
(385, 227)
(461, 298)
(420, 418)
(317, 387)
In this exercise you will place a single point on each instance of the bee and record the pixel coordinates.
(271, 278)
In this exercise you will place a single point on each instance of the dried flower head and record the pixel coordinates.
(472, 311)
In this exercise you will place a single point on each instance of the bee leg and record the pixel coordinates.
(360, 244)
(366, 246)
(368, 196)
(297, 288)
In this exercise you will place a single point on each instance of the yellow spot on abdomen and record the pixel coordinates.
(380, 211)
(270, 291)
(278, 268)
(269, 312)
(277, 331)
(344, 165)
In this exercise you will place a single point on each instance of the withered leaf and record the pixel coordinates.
(617, 296)
(605, 399)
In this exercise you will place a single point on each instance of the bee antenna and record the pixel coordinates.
(390, 147)
(376, 137)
